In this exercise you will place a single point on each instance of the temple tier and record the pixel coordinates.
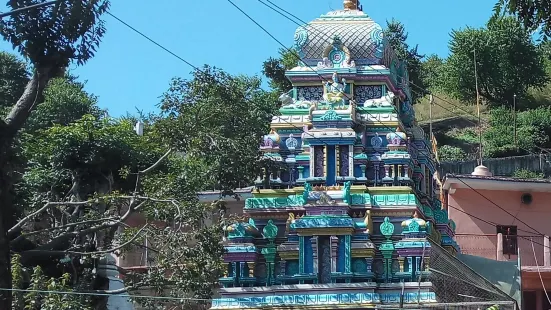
(348, 216)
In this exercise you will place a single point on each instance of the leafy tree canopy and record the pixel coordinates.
(397, 36)
(13, 78)
(274, 69)
(86, 175)
(535, 15)
(508, 63)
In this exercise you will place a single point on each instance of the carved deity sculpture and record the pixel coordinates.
(334, 91)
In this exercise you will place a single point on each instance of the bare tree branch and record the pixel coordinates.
(94, 252)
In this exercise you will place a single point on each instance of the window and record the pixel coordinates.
(509, 239)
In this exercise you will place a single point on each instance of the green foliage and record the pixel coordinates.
(397, 37)
(508, 63)
(533, 130)
(54, 36)
(451, 153)
(274, 69)
(527, 174)
(65, 101)
(13, 78)
(218, 119)
(38, 281)
(536, 15)
(81, 153)
(431, 72)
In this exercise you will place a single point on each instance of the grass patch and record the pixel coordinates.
(445, 107)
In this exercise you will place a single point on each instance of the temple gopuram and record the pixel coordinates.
(349, 216)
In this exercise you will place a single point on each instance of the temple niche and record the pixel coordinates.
(348, 214)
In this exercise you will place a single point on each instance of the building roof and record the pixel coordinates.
(357, 31)
(454, 181)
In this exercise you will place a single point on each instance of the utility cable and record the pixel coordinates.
(352, 101)
(26, 8)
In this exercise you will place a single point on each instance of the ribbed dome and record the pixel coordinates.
(357, 32)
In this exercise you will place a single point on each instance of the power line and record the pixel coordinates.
(26, 8)
(495, 204)
(352, 101)
(195, 67)
(496, 225)
(122, 295)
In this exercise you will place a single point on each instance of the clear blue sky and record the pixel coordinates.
(129, 72)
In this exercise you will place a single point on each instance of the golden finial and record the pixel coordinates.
(350, 4)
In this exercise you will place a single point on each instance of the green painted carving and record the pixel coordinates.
(427, 211)
(346, 192)
(270, 231)
(278, 202)
(395, 200)
(347, 253)
(414, 226)
(330, 115)
(387, 229)
(441, 216)
(307, 190)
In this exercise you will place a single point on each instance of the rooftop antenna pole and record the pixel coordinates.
(478, 106)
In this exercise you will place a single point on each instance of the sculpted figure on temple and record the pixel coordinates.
(334, 91)
(385, 101)
(288, 102)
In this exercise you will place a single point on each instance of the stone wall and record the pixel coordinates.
(501, 166)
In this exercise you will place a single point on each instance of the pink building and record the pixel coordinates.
(505, 219)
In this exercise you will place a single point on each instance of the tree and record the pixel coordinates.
(507, 63)
(431, 72)
(50, 38)
(13, 78)
(397, 37)
(85, 178)
(274, 69)
(533, 14)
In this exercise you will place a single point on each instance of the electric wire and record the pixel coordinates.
(352, 101)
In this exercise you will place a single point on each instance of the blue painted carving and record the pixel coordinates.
(340, 254)
(361, 299)
(344, 168)
(324, 257)
(318, 161)
(366, 92)
(331, 165)
(308, 255)
(310, 93)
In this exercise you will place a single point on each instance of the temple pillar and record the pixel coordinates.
(300, 172)
(242, 270)
(334, 246)
(351, 161)
(250, 265)
(282, 267)
(315, 254)
(401, 263)
(368, 263)
(363, 167)
(347, 254)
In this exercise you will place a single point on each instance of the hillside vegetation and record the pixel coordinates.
(513, 75)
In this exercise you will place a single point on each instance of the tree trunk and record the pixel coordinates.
(8, 131)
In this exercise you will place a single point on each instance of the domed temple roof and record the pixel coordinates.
(359, 34)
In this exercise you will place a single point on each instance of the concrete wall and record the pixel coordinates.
(500, 166)
(479, 238)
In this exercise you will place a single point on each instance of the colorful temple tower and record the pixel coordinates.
(348, 215)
